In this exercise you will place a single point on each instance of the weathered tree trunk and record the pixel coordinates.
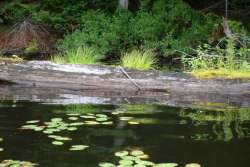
(48, 82)
(123, 4)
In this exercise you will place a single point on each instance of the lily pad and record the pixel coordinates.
(193, 165)
(125, 162)
(137, 152)
(106, 164)
(56, 119)
(78, 147)
(133, 123)
(73, 118)
(72, 128)
(166, 165)
(32, 121)
(88, 116)
(76, 124)
(121, 153)
(58, 143)
(101, 119)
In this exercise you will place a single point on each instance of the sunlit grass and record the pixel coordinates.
(83, 55)
(223, 73)
(142, 60)
(11, 59)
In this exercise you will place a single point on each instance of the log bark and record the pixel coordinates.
(53, 83)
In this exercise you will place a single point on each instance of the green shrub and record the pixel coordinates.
(83, 55)
(229, 61)
(142, 60)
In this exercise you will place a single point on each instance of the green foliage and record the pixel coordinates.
(229, 58)
(166, 27)
(83, 55)
(142, 60)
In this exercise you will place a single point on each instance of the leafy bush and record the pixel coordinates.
(142, 60)
(228, 61)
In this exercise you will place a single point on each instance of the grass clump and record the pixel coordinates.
(142, 60)
(83, 55)
(11, 59)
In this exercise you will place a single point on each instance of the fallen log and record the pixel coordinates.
(43, 81)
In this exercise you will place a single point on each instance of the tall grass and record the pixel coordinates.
(83, 55)
(142, 60)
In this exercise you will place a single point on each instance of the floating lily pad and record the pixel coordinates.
(56, 119)
(73, 118)
(78, 147)
(121, 153)
(106, 164)
(101, 119)
(126, 118)
(133, 123)
(88, 116)
(101, 115)
(137, 152)
(76, 124)
(58, 143)
(72, 128)
(125, 162)
(193, 165)
(146, 163)
(107, 123)
(32, 121)
(73, 114)
(91, 123)
(166, 165)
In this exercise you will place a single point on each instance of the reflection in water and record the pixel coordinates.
(226, 124)
(162, 132)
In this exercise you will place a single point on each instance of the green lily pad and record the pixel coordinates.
(101, 119)
(72, 128)
(166, 165)
(193, 165)
(101, 115)
(58, 143)
(73, 114)
(107, 123)
(76, 124)
(137, 153)
(73, 118)
(78, 147)
(146, 163)
(32, 121)
(125, 118)
(121, 153)
(106, 164)
(38, 128)
(88, 116)
(125, 162)
(91, 123)
(56, 119)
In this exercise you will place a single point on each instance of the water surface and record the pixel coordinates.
(212, 138)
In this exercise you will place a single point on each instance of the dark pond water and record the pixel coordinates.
(219, 138)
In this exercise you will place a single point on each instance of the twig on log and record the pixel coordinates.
(127, 75)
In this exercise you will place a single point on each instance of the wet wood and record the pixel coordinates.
(48, 82)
